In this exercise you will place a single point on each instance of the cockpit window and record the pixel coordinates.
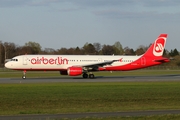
(14, 59)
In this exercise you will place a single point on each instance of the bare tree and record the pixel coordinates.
(141, 50)
(10, 50)
(129, 51)
(49, 51)
(97, 47)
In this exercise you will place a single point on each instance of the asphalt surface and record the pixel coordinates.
(97, 79)
(92, 115)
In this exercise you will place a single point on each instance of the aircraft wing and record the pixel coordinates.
(101, 64)
(94, 67)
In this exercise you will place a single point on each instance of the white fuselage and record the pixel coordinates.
(62, 62)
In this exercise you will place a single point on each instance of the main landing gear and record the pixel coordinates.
(85, 75)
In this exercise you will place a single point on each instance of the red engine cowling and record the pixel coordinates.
(74, 71)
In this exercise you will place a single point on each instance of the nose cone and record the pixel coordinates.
(8, 65)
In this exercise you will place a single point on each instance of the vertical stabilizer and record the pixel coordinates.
(157, 48)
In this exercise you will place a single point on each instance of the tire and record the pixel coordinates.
(23, 77)
(91, 76)
(85, 75)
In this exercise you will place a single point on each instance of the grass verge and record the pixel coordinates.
(154, 117)
(51, 98)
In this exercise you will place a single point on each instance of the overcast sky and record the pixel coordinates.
(72, 23)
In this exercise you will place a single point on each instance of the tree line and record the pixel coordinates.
(9, 50)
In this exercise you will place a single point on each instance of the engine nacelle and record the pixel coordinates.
(63, 72)
(74, 71)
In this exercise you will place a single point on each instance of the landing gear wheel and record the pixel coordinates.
(85, 75)
(91, 76)
(23, 77)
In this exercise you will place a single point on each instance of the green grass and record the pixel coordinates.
(156, 117)
(51, 98)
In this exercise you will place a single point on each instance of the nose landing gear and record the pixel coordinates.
(24, 74)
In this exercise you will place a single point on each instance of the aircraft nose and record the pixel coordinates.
(7, 65)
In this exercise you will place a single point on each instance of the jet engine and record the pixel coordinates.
(74, 71)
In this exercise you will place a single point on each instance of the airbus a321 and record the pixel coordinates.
(75, 65)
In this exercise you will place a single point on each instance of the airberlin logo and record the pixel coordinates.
(43, 60)
(159, 47)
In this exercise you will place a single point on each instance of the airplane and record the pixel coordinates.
(75, 65)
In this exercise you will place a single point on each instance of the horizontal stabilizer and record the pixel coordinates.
(162, 60)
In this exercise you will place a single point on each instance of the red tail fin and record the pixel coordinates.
(157, 48)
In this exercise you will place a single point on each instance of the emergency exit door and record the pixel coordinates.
(25, 60)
